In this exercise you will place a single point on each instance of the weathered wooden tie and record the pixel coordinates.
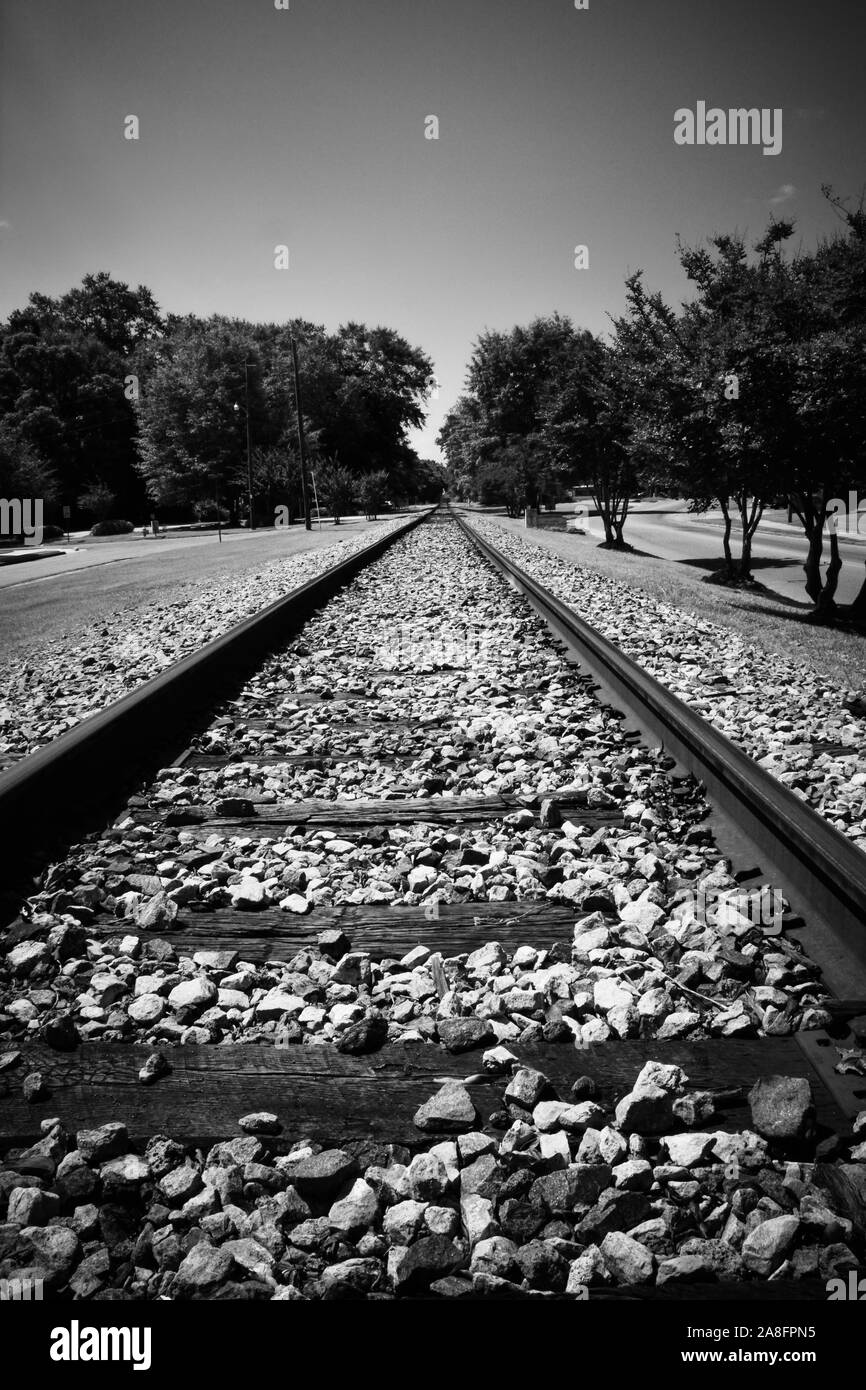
(266, 818)
(451, 928)
(318, 1093)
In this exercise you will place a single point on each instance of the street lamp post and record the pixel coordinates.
(301, 443)
(247, 366)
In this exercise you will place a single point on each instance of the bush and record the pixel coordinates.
(371, 488)
(112, 528)
(336, 488)
(52, 533)
(206, 510)
(98, 499)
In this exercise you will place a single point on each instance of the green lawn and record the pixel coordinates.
(759, 618)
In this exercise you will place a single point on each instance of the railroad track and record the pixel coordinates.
(224, 865)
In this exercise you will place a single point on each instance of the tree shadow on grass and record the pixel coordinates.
(713, 575)
(782, 608)
(717, 562)
(627, 550)
(803, 613)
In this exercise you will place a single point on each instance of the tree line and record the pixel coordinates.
(111, 408)
(752, 393)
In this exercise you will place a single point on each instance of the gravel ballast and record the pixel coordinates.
(428, 678)
(778, 712)
(523, 1203)
(61, 682)
(666, 943)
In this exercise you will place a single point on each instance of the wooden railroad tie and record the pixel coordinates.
(320, 1094)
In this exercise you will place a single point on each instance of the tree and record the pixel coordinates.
(711, 384)
(361, 390)
(98, 500)
(756, 388)
(336, 488)
(586, 423)
(459, 438)
(829, 401)
(112, 398)
(493, 438)
(430, 480)
(113, 314)
(190, 434)
(828, 397)
(371, 491)
(23, 471)
(503, 483)
(510, 376)
(65, 368)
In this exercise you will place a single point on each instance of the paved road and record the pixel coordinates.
(75, 558)
(62, 595)
(112, 550)
(677, 536)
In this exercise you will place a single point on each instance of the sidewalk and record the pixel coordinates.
(676, 507)
(781, 528)
(34, 552)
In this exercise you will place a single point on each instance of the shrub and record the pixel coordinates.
(52, 533)
(371, 488)
(98, 499)
(336, 487)
(112, 528)
(206, 510)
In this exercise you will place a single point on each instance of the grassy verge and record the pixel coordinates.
(759, 618)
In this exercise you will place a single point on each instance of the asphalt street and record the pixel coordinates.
(59, 596)
(778, 558)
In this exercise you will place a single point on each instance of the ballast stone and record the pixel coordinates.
(450, 1110)
(782, 1107)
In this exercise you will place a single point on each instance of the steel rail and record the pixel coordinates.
(820, 871)
(61, 790)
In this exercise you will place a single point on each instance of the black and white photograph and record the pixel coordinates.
(432, 685)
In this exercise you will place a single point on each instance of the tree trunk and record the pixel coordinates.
(813, 563)
(858, 607)
(750, 526)
(825, 608)
(746, 557)
(821, 592)
(602, 499)
(726, 535)
(735, 571)
(741, 567)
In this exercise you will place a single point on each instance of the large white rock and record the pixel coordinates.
(190, 994)
(687, 1150)
(278, 1002)
(766, 1246)
(147, 1008)
(357, 1210)
(609, 994)
(626, 1259)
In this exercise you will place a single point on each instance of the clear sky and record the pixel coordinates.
(306, 126)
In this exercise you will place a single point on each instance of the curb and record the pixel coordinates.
(21, 559)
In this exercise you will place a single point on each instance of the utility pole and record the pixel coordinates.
(249, 447)
(316, 495)
(301, 447)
